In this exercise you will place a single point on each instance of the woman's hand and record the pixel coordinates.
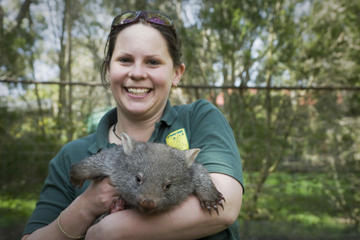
(103, 228)
(101, 197)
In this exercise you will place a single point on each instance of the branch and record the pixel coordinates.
(24, 10)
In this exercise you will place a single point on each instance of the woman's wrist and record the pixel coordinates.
(85, 208)
(74, 221)
(64, 232)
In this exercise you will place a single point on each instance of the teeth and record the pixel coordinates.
(138, 90)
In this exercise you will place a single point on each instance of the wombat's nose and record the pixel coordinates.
(148, 204)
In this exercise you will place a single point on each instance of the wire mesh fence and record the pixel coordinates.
(299, 145)
(280, 127)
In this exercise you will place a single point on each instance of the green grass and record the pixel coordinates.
(15, 210)
(295, 206)
(294, 230)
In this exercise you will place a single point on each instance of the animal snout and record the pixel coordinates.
(148, 204)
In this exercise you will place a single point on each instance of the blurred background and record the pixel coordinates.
(284, 72)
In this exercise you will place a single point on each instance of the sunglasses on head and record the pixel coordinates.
(135, 16)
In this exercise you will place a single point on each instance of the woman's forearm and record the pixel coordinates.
(74, 221)
(80, 214)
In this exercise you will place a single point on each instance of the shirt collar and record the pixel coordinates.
(169, 115)
(110, 118)
(102, 131)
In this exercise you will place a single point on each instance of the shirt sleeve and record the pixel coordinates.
(57, 193)
(211, 132)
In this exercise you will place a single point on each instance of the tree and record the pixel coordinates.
(16, 40)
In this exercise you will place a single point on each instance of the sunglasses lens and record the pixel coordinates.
(159, 19)
(128, 18)
(125, 18)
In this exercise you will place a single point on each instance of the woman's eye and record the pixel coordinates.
(153, 62)
(124, 60)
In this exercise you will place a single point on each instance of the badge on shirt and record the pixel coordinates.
(178, 139)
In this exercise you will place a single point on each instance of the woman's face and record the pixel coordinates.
(141, 72)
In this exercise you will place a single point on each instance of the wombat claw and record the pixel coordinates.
(210, 205)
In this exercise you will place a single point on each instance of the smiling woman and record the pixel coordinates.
(141, 65)
(141, 75)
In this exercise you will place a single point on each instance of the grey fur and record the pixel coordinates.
(150, 177)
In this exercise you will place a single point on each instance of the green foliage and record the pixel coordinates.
(21, 149)
(295, 203)
(15, 210)
(14, 213)
(330, 40)
(17, 40)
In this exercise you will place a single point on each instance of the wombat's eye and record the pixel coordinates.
(166, 186)
(139, 179)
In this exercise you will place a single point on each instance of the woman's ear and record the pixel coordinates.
(179, 71)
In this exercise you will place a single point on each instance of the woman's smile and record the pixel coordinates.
(137, 92)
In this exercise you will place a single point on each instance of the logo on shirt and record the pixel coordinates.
(178, 139)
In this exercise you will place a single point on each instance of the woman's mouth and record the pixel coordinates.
(138, 91)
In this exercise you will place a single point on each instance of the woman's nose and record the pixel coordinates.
(137, 72)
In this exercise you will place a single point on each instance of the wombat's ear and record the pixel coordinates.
(190, 156)
(127, 143)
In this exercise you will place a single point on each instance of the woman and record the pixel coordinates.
(142, 63)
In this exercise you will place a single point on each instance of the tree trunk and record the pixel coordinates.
(2, 14)
(266, 162)
(69, 23)
(62, 74)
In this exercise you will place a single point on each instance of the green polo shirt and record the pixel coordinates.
(197, 125)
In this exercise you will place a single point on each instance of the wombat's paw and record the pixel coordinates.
(212, 200)
(76, 181)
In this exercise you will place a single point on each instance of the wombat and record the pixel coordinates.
(150, 177)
